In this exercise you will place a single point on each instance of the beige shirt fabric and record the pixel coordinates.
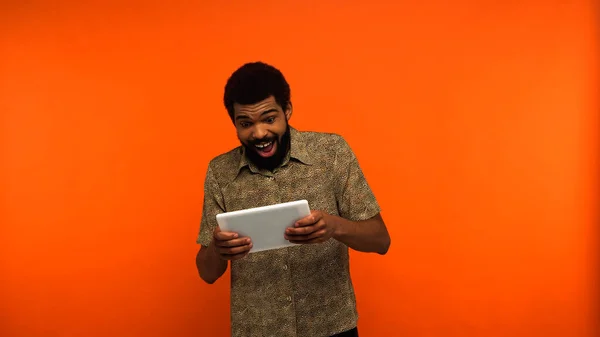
(303, 290)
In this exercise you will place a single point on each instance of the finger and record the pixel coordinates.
(314, 217)
(230, 257)
(231, 251)
(317, 237)
(301, 230)
(308, 242)
(234, 242)
(304, 238)
(224, 236)
(306, 230)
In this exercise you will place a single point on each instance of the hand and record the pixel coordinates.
(229, 246)
(315, 228)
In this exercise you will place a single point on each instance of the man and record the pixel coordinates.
(303, 290)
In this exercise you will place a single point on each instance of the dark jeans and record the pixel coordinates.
(349, 333)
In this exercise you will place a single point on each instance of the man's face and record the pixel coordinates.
(263, 130)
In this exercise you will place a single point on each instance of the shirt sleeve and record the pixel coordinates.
(212, 205)
(356, 200)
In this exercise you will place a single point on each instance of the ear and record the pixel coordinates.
(288, 111)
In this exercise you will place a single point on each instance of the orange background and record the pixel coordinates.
(475, 124)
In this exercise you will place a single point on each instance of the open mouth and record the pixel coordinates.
(265, 149)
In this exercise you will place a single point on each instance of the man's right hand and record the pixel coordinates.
(229, 246)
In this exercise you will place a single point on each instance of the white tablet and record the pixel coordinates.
(265, 225)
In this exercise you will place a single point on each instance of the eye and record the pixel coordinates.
(244, 124)
(270, 120)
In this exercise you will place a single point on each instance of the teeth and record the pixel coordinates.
(260, 146)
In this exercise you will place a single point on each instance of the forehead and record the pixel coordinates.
(256, 109)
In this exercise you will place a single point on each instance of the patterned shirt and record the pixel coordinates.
(303, 290)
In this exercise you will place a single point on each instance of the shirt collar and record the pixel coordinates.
(297, 151)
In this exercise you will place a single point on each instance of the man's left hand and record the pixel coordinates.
(315, 228)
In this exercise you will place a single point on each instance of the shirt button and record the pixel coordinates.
(285, 267)
(289, 298)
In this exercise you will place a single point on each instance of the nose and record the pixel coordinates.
(259, 132)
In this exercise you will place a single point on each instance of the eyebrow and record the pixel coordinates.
(268, 111)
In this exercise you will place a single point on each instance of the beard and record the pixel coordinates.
(269, 163)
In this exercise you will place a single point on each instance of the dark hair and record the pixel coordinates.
(254, 82)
